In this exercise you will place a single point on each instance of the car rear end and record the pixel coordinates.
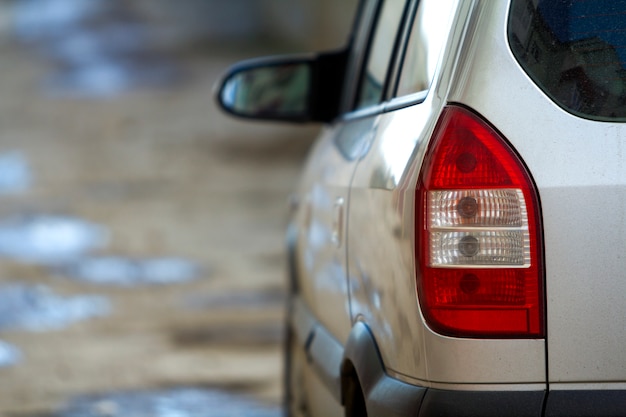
(547, 80)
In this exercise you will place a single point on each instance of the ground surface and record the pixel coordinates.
(149, 176)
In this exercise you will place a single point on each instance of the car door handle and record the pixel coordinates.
(338, 220)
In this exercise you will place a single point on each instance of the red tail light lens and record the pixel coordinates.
(478, 234)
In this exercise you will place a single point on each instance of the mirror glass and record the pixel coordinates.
(279, 91)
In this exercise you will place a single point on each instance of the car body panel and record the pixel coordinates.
(382, 269)
(579, 167)
(380, 254)
(323, 200)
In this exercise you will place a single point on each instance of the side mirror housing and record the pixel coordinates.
(305, 88)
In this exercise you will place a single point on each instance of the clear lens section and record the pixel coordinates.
(477, 208)
(480, 249)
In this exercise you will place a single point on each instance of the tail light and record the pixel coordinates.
(478, 234)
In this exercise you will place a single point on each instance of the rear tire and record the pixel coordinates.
(354, 399)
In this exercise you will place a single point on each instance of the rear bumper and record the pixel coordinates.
(517, 404)
(391, 397)
(605, 403)
(442, 403)
(388, 396)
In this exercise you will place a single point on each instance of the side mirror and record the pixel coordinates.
(293, 89)
(278, 90)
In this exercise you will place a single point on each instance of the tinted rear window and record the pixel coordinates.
(575, 51)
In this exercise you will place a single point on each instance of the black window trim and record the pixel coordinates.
(390, 102)
(399, 44)
(359, 42)
(394, 74)
(365, 53)
(396, 103)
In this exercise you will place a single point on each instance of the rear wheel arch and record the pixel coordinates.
(352, 396)
(362, 367)
(361, 357)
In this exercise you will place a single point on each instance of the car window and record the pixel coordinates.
(372, 84)
(430, 26)
(575, 51)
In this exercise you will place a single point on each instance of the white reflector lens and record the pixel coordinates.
(483, 228)
(498, 207)
(480, 249)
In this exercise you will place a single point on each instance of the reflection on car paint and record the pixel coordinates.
(395, 155)
(48, 239)
(331, 276)
(38, 308)
(15, 173)
(125, 272)
(319, 197)
(361, 284)
(354, 139)
(179, 402)
(9, 355)
(319, 234)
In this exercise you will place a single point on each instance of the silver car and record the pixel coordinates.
(458, 242)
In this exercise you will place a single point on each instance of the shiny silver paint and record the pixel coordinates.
(321, 248)
(383, 188)
(579, 167)
(380, 249)
(355, 249)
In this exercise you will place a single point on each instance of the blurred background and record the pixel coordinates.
(142, 268)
